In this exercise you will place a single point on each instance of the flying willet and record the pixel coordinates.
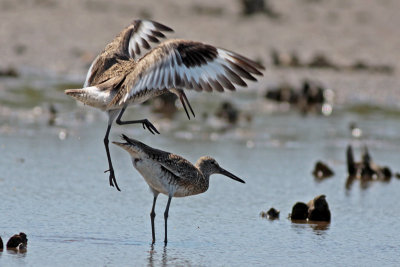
(171, 174)
(119, 77)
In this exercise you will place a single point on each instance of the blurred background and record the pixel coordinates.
(331, 80)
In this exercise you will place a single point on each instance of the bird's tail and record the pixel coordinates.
(91, 96)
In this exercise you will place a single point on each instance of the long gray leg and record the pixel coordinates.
(152, 216)
(166, 218)
(145, 122)
(113, 181)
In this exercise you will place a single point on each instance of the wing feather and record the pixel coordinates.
(131, 42)
(190, 65)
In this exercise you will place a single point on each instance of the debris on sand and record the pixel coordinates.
(322, 61)
(311, 97)
(250, 7)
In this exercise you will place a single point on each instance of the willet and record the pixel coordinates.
(120, 76)
(171, 174)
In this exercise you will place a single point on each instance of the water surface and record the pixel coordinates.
(53, 188)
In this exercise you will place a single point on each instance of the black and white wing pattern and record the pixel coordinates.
(131, 42)
(189, 65)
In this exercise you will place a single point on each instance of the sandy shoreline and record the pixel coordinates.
(62, 37)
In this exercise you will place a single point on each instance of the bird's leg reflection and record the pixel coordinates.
(164, 256)
(151, 253)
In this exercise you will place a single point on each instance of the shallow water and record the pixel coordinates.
(53, 188)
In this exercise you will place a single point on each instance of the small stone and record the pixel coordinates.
(16, 240)
(299, 211)
(318, 209)
(273, 214)
(321, 170)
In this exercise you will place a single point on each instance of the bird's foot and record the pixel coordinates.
(147, 124)
(113, 181)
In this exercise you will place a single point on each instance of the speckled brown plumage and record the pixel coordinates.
(121, 75)
(171, 174)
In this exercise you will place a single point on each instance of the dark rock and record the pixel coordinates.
(9, 72)
(321, 61)
(366, 169)
(164, 104)
(16, 240)
(52, 114)
(1, 244)
(308, 98)
(321, 170)
(207, 10)
(283, 93)
(228, 112)
(318, 209)
(251, 7)
(386, 173)
(285, 59)
(273, 213)
(351, 166)
(299, 211)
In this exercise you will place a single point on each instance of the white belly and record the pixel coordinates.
(156, 178)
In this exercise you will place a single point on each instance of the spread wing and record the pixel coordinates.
(190, 65)
(129, 43)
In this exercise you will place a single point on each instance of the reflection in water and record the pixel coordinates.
(364, 183)
(151, 253)
(166, 259)
(318, 228)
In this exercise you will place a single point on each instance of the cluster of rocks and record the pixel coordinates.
(365, 170)
(311, 97)
(321, 61)
(16, 242)
(316, 209)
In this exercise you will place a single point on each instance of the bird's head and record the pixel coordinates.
(128, 145)
(209, 165)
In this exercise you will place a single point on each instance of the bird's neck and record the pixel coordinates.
(204, 170)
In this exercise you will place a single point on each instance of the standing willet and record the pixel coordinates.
(171, 174)
(118, 77)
